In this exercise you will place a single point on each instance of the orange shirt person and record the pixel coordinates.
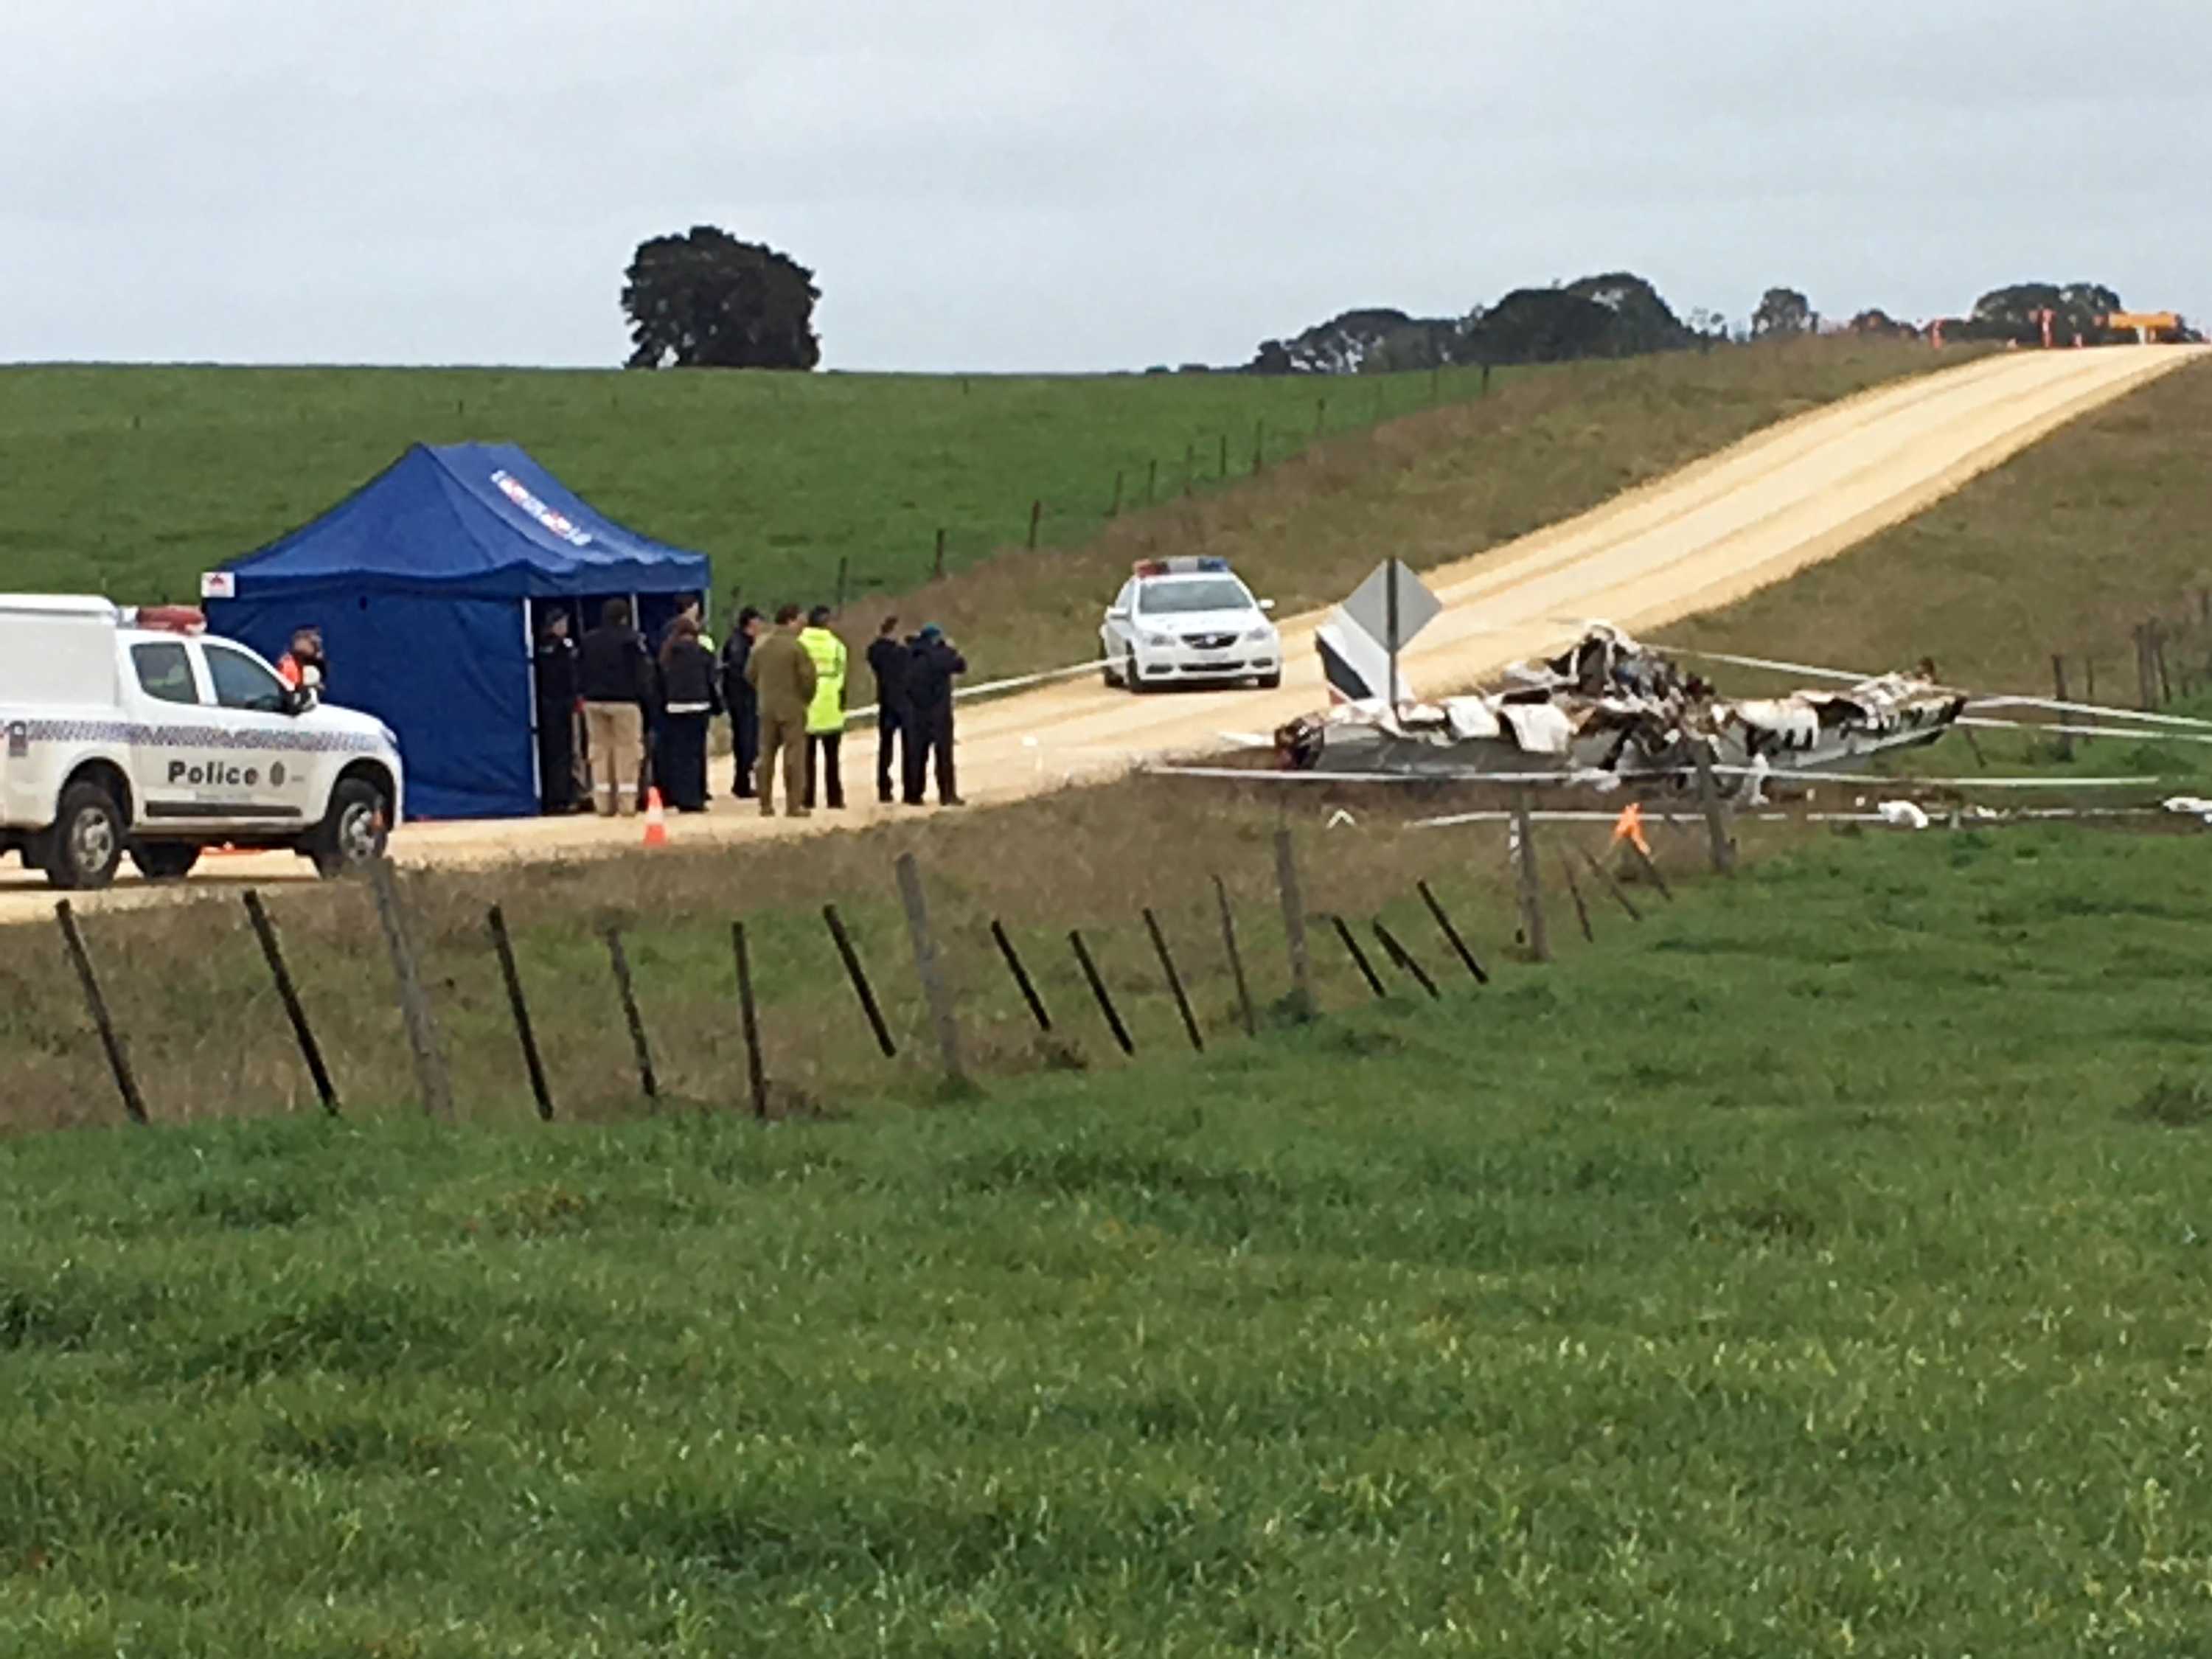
(304, 664)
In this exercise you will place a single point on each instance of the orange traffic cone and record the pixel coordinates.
(656, 820)
(1629, 826)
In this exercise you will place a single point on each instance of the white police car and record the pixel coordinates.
(1187, 620)
(125, 732)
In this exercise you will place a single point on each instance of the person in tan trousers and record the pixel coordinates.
(783, 676)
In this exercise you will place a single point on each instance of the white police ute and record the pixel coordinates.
(1179, 622)
(135, 732)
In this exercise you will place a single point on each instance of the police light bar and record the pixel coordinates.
(166, 618)
(1180, 567)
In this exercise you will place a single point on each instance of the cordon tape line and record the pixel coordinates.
(991, 686)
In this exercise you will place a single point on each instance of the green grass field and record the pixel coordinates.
(136, 480)
(1818, 1268)
(133, 481)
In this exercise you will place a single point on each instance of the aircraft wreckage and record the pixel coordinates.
(1610, 706)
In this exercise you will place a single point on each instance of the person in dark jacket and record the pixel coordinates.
(689, 703)
(932, 666)
(614, 676)
(889, 661)
(741, 699)
(555, 663)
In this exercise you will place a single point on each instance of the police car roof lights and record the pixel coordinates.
(166, 619)
(1179, 567)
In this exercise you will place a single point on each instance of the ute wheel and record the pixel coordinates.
(352, 833)
(83, 850)
(165, 860)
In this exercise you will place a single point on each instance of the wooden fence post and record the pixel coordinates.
(1013, 960)
(1399, 954)
(1098, 990)
(926, 967)
(937, 567)
(1651, 870)
(119, 1062)
(1189, 466)
(1152, 479)
(1530, 887)
(1224, 470)
(1259, 445)
(430, 1076)
(861, 989)
(1175, 981)
(749, 1022)
(618, 960)
(1294, 925)
(1244, 1010)
(511, 975)
(302, 1033)
(842, 563)
(1722, 850)
(1359, 957)
(1037, 515)
(1606, 876)
(1451, 933)
(2058, 693)
(1114, 511)
(1575, 892)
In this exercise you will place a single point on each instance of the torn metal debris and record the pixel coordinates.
(1610, 707)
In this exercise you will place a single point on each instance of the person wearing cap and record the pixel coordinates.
(782, 675)
(933, 667)
(825, 712)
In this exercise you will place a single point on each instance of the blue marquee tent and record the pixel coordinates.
(426, 583)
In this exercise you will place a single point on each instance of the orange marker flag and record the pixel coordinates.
(1629, 826)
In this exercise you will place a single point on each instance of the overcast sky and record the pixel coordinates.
(996, 184)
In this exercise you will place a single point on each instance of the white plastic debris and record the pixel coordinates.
(1340, 819)
(1902, 815)
(2195, 806)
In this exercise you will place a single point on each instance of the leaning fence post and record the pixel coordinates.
(1175, 981)
(2059, 694)
(1606, 876)
(1575, 892)
(1651, 870)
(1114, 511)
(1013, 960)
(414, 1006)
(1708, 802)
(853, 971)
(1358, 957)
(618, 959)
(1098, 990)
(96, 1005)
(749, 1022)
(927, 967)
(519, 1005)
(1294, 925)
(1451, 933)
(288, 994)
(1404, 959)
(1244, 1010)
(937, 564)
(1531, 888)
(1037, 514)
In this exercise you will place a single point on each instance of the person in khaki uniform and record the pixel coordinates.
(783, 675)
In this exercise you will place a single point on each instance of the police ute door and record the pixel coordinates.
(244, 770)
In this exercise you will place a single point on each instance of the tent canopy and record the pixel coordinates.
(426, 583)
(484, 520)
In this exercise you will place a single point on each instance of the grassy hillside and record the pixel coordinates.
(136, 480)
(1820, 1268)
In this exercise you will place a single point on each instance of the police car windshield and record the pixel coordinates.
(1182, 597)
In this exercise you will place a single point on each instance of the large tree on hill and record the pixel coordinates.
(1346, 343)
(1782, 311)
(1542, 325)
(1642, 320)
(2016, 312)
(705, 300)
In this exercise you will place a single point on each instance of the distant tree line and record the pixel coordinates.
(1621, 314)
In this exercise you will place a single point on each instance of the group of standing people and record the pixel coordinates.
(647, 714)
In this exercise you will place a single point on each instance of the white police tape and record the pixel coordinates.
(991, 686)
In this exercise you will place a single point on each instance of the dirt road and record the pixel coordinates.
(1784, 498)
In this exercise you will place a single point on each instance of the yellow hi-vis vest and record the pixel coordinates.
(827, 712)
